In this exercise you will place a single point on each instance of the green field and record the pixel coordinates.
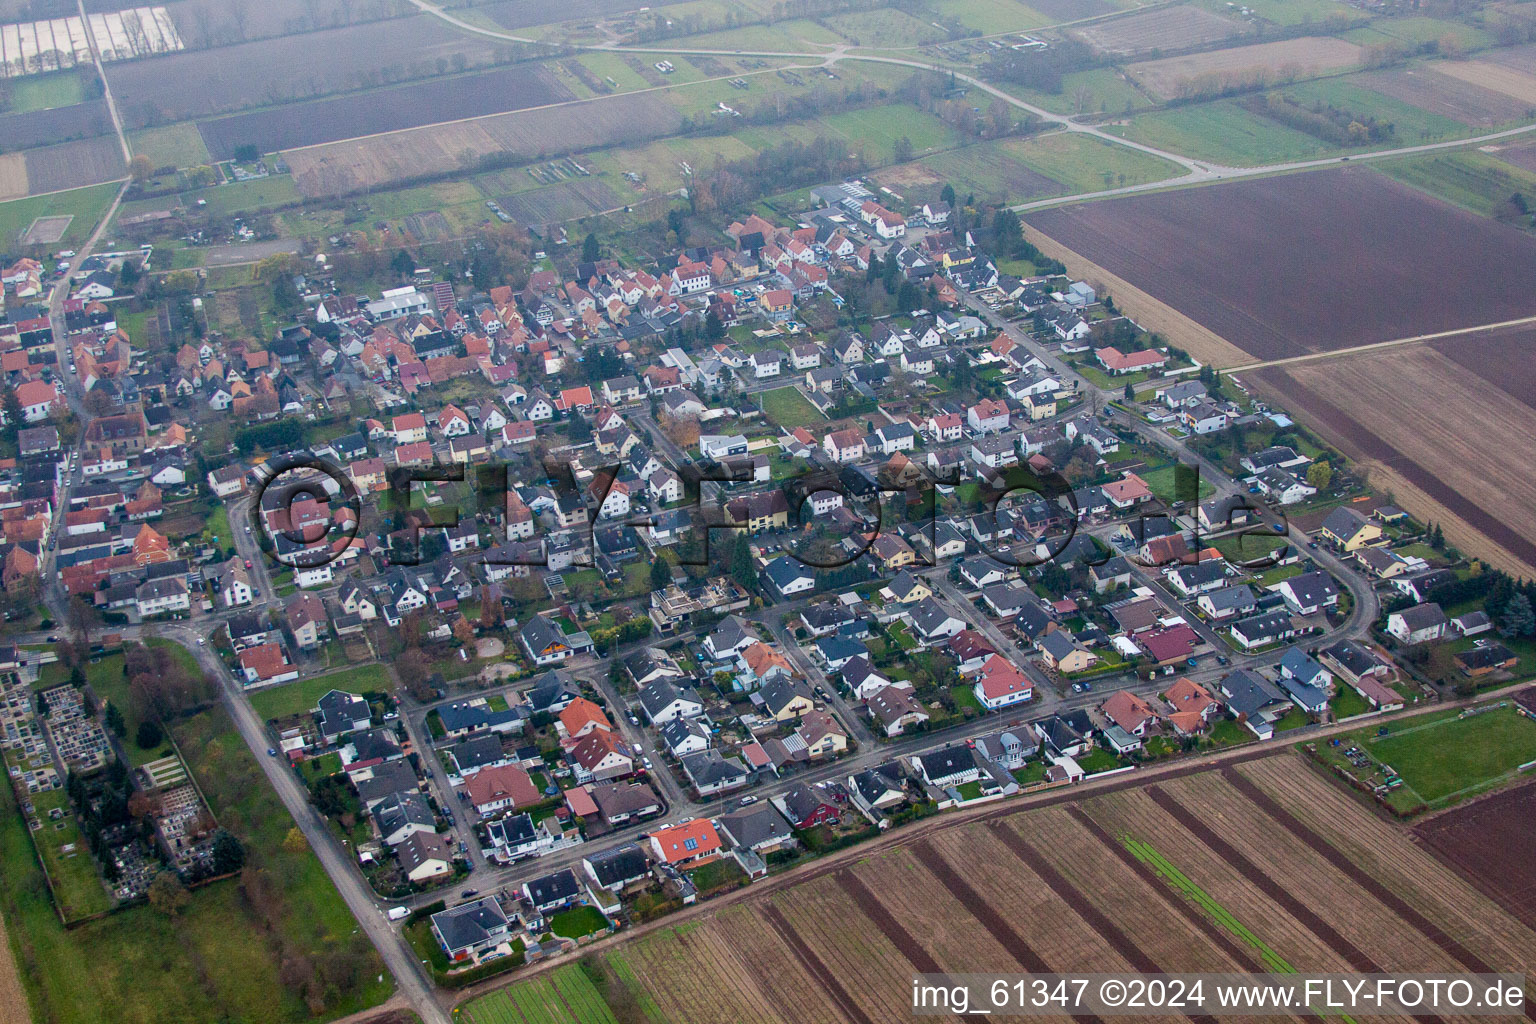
(1223, 132)
(1085, 164)
(882, 126)
(216, 961)
(1413, 125)
(86, 205)
(1289, 12)
(1444, 758)
(789, 408)
(301, 695)
(1474, 181)
(563, 996)
(883, 30)
(1084, 92)
(990, 17)
(44, 92)
(1419, 30)
(109, 684)
(177, 145)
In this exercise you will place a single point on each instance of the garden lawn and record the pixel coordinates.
(1443, 756)
(1347, 703)
(577, 922)
(789, 408)
(1163, 482)
(303, 694)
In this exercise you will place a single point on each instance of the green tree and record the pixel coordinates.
(402, 263)
(1320, 474)
(1518, 618)
(741, 563)
(947, 195)
(661, 574)
(228, 853)
(590, 250)
(114, 720)
(1130, 392)
(150, 735)
(167, 894)
(12, 407)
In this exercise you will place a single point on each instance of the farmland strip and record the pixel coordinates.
(1274, 890)
(1239, 953)
(1334, 856)
(813, 963)
(987, 914)
(878, 913)
(1074, 898)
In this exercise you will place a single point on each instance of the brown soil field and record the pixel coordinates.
(44, 127)
(360, 163)
(1167, 28)
(1523, 157)
(1155, 315)
(1137, 814)
(1446, 95)
(1501, 357)
(295, 68)
(1407, 869)
(1049, 886)
(1493, 843)
(73, 164)
(1361, 918)
(1520, 58)
(516, 14)
(13, 998)
(1518, 85)
(1283, 60)
(1071, 10)
(1307, 262)
(385, 110)
(1454, 449)
(13, 176)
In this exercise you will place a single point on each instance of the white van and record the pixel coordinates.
(396, 913)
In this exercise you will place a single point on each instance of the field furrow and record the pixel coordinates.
(1360, 919)
(1384, 852)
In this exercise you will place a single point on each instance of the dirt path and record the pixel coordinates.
(13, 998)
(1155, 315)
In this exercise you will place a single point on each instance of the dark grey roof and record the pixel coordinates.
(621, 864)
(1248, 693)
(755, 826)
(553, 888)
(947, 761)
(469, 923)
(476, 752)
